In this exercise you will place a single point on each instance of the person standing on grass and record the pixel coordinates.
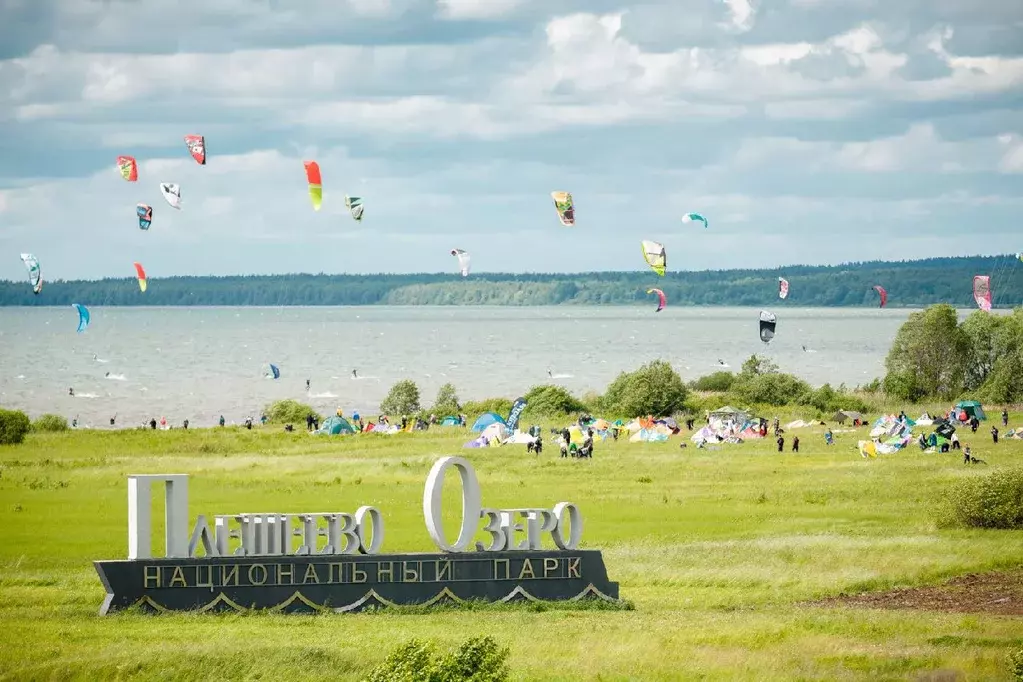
(994, 434)
(781, 443)
(795, 444)
(1005, 418)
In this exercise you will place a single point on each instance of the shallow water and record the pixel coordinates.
(199, 363)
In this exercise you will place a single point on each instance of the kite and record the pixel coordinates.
(982, 291)
(1020, 255)
(655, 256)
(141, 274)
(884, 294)
(145, 213)
(83, 316)
(463, 261)
(128, 167)
(197, 148)
(783, 287)
(695, 217)
(565, 207)
(661, 300)
(767, 324)
(354, 204)
(312, 174)
(172, 193)
(35, 273)
(272, 372)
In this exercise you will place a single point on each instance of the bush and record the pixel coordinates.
(402, 399)
(1016, 665)
(473, 409)
(828, 401)
(653, 389)
(769, 389)
(478, 659)
(14, 424)
(550, 401)
(991, 501)
(718, 382)
(289, 412)
(49, 423)
(446, 402)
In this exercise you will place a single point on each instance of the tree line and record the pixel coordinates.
(908, 283)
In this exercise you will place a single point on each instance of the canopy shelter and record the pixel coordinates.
(972, 408)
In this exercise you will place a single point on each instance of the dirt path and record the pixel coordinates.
(999, 593)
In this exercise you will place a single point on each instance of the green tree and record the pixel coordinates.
(980, 330)
(402, 399)
(1002, 384)
(549, 401)
(655, 389)
(929, 357)
(446, 402)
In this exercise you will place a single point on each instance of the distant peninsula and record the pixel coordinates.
(908, 283)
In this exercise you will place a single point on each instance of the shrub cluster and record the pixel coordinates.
(653, 389)
(14, 424)
(478, 659)
(991, 501)
(50, 423)
(289, 412)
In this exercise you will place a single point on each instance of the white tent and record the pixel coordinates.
(520, 438)
(496, 431)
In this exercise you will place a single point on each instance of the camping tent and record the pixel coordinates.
(728, 412)
(972, 408)
(486, 419)
(449, 421)
(335, 426)
(495, 432)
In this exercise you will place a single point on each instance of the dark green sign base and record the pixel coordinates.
(318, 583)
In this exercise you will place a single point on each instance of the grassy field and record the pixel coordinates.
(718, 550)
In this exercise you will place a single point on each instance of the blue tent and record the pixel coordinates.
(486, 419)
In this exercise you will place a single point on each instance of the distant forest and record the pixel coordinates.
(909, 284)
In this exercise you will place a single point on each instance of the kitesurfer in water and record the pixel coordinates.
(71, 392)
(804, 349)
(549, 373)
(355, 374)
(307, 384)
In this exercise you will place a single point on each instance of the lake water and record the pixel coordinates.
(199, 363)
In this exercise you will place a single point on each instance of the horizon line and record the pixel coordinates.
(537, 273)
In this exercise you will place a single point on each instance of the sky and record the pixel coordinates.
(807, 131)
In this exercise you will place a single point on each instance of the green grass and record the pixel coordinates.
(716, 550)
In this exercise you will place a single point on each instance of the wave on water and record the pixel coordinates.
(116, 377)
(327, 394)
(86, 395)
(20, 376)
(562, 376)
(367, 378)
(101, 360)
(720, 364)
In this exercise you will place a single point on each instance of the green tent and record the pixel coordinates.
(972, 408)
(336, 426)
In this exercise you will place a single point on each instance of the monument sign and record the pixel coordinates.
(331, 561)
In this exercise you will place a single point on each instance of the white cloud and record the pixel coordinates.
(452, 114)
(742, 14)
(477, 9)
(919, 149)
